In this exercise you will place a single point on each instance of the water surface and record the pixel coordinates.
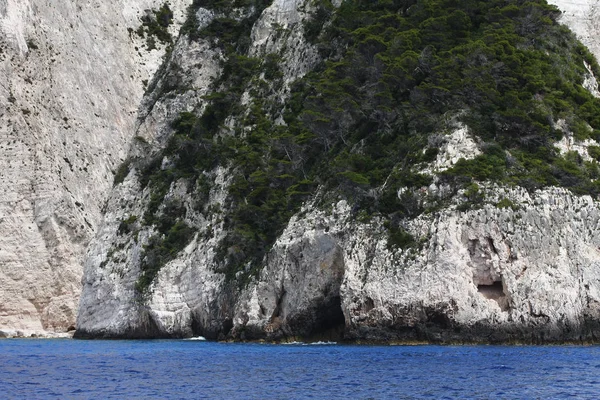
(38, 369)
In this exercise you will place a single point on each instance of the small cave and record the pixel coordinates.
(217, 329)
(368, 304)
(323, 321)
(226, 327)
(278, 307)
(330, 322)
(495, 292)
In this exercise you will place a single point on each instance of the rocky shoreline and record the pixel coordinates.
(26, 334)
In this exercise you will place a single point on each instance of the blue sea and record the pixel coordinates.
(180, 369)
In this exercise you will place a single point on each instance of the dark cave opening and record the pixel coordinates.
(492, 291)
(330, 323)
(217, 330)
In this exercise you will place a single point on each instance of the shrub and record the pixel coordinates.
(122, 172)
(507, 203)
(160, 250)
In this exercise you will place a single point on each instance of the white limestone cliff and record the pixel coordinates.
(583, 18)
(71, 81)
(492, 272)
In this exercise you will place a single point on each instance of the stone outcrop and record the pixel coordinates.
(72, 79)
(513, 266)
(488, 274)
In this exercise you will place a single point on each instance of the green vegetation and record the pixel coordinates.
(126, 225)
(399, 238)
(122, 172)
(155, 26)
(359, 126)
(507, 203)
(509, 65)
(32, 45)
(195, 148)
(159, 251)
(319, 17)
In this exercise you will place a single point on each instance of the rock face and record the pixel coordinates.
(492, 274)
(72, 77)
(517, 266)
(583, 18)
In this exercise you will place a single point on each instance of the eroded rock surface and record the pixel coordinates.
(72, 77)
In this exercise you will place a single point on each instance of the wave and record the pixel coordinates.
(320, 343)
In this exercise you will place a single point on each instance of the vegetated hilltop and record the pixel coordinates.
(392, 170)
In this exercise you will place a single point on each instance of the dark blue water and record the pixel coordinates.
(37, 369)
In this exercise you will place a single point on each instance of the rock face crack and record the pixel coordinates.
(277, 310)
(491, 245)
